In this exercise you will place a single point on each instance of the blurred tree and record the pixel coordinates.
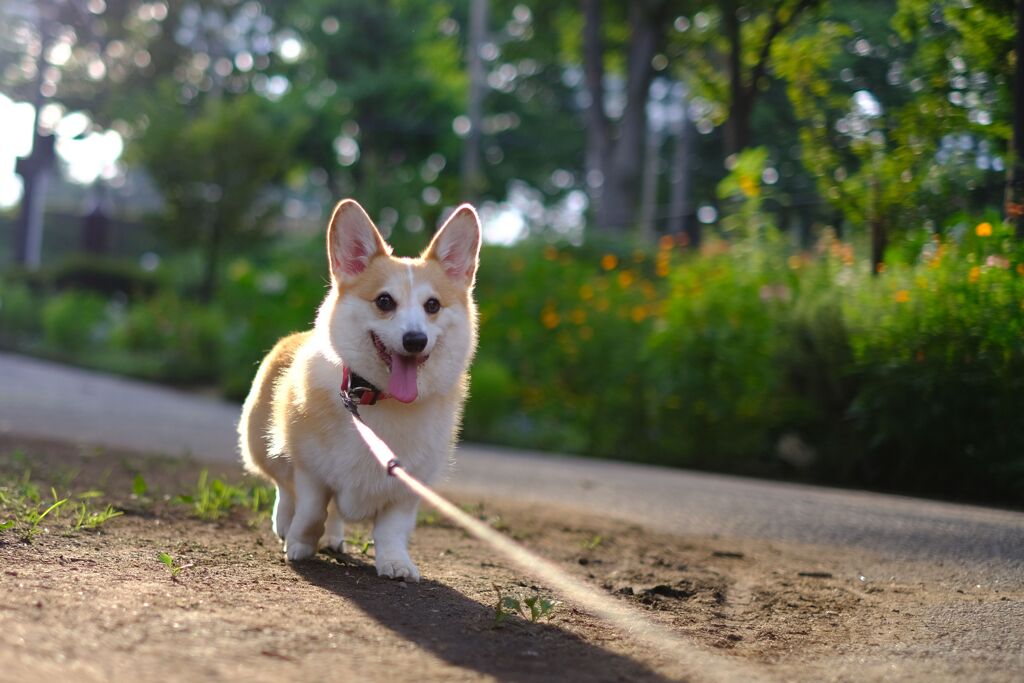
(56, 52)
(213, 167)
(895, 122)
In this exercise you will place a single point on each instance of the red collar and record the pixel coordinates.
(359, 390)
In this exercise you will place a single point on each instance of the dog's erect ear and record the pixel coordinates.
(352, 241)
(457, 245)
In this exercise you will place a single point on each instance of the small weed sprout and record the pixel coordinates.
(34, 518)
(360, 540)
(592, 543)
(86, 518)
(139, 486)
(173, 566)
(507, 605)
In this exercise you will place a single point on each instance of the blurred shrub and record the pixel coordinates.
(183, 338)
(72, 321)
(20, 314)
(104, 275)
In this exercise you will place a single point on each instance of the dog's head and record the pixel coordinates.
(408, 325)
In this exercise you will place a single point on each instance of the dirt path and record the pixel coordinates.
(98, 605)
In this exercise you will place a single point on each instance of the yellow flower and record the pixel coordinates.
(626, 278)
(579, 316)
(974, 274)
(902, 296)
(586, 292)
(983, 229)
(549, 318)
(794, 262)
(749, 187)
(662, 267)
(609, 261)
(638, 314)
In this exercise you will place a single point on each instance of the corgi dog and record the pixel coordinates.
(398, 332)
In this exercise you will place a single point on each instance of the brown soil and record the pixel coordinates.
(98, 605)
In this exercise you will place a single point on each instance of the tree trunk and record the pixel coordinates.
(679, 183)
(649, 188)
(596, 119)
(472, 180)
(736, 138)
(615, 153)
(35, 169)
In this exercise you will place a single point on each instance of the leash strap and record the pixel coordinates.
(384, 455)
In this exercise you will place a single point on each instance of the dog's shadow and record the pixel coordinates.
(461, 631)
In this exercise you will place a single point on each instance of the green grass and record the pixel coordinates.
(213, 499)
(23, 510)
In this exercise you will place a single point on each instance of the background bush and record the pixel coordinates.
(746, 357)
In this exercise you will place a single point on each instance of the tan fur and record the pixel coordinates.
(260, 405)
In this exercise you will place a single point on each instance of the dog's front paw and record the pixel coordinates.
(296, 551)
(401, 568)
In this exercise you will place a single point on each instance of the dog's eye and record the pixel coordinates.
(432, 306)
(385, 302)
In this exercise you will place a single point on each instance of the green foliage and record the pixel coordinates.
(213, 499)
(183, 338)
(20, 312)
(752, 360)
(72, 321)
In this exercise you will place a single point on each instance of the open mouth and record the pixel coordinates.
(402, 380)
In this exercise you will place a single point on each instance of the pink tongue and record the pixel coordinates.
(402, 384)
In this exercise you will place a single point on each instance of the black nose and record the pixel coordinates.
(414, 342)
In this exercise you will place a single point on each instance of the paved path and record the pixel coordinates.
(40, 399)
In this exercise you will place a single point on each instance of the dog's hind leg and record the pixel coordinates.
(284, 510)
(334, 529)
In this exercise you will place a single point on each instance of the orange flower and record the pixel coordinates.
(638, 314)
(902, 296)
(579, 316)
(609, 261)
(549, 318)
(974, 274)
(626, 278)
(983, 230)
(1020, 269)
(665, 243)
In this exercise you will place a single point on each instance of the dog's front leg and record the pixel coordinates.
(307, 526)
(391, 529)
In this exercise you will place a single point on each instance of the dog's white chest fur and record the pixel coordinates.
(420, 435)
